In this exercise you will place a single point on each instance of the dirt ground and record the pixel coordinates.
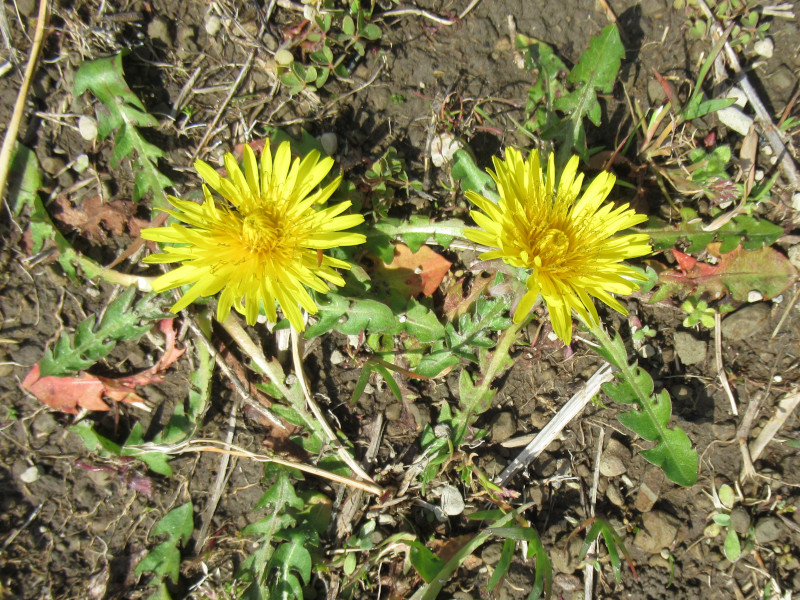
(79, 527)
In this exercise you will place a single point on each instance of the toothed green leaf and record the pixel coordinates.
(120, 323)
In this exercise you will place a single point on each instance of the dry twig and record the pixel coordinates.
(12, 130)
(549, 432)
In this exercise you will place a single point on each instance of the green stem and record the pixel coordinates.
(504, 344)
(495, 367)
(92, 270)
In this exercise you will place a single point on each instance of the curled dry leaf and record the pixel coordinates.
(67, 394)
(414, 273)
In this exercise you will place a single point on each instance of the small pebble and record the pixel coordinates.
(329, 143)
(30, 474)
(688, 348)
(337, 357)
(158, 29)
(739, 95)
(502, 427)
(615, 458)
(767, 530)
(451, 501)
(213, 25)
(734, 118)
(740, 520)
(53, 164)
(765, 47)
(87, 127)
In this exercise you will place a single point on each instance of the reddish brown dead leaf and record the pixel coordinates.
(93, 217)
(84, 390)
(414, 273)
(737, 272)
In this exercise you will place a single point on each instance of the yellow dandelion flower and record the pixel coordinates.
(264, 243)
(566, 241)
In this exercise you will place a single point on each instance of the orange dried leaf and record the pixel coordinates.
(414, 273)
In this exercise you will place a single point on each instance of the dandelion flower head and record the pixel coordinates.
(263, 242)
(565, 240)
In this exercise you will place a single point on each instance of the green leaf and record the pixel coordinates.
(24, 179)
(732, 548)
(431, 590)
(93, 440)
(543, 581)
(474, 399)
(596, 71)
(164, 559)
(156, 461)
(502, 566)
(650, 414)
(613, 543)
(367, 315)
(424, 561)
(752, 233)
(421, 322)
(123, 113)
(472, 177)
(121, 322)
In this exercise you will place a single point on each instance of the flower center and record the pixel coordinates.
(265, 232)
(548, 248)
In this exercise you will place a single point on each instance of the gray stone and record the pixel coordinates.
(393, 411)
(158, 29)
(421, 414)
(565, 560)
(27, 7)
(44, 424)
(53, 164)
(782, 79)
(614, 460)
(745, 322)
(649, 490)
(768, 529)
(491, 554)
(614, 495)
(724, 431)
(740, 520)
(688, 348)
(502, 427)
(658, 532)
(337, 357)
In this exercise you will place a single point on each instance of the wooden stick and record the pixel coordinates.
(549, 432)
(12, 130)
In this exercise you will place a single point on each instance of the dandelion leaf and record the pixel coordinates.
(164, 560)
(748, 231)
(123, 112)
(122, 321)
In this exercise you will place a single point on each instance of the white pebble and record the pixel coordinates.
(765, 47)
(81, 163)
(451, 501)
(337, 357)
(777, 379)
(754, 296)
(213, 25)
(759, 174)
(735, 119)
(87, 127)
(777, 299)
(30, 474)
(739, 95)
(443, 148)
